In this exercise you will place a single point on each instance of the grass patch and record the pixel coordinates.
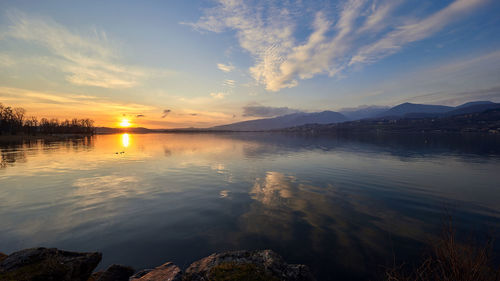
(451, 260)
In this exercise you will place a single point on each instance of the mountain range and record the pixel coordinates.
(407, 108)
(363, 112)
(484, 122)
(285, 121)
(401, 111)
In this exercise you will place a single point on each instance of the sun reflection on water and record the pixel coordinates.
(125, 140)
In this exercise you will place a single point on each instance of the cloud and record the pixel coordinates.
(225, 67)
(482, 64)
(414, 31)
(359, 32)
(65, 105)
(88, 59)
(471, 73)
(229, 83)
(379, 14)
(266, 111)
(140, 115)
(218, 95)
(24, 96)
(166, 112)
(457, 98)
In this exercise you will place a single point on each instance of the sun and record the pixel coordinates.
(125, 123)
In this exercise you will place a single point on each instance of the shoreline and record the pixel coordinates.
(55, 264)
(53, 137)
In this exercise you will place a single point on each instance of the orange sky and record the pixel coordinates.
(103, 111)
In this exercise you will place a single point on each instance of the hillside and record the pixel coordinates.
(484, 122)
(412, 108)
(472, 108)
(285, 121)
(363, 112)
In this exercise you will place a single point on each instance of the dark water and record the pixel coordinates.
(343, 205)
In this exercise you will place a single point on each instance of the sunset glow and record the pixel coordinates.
(125, 123)
(330, 132)
(253, 64)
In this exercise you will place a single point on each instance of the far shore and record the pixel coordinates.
(53, 137)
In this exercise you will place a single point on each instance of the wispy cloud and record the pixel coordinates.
(229, 83)
(218, 95)
(379, 16)
(470, 74)
(457, 98)
(87, 59)
(485, 62)
(414, 31)
(225, 67)
(360, 32)
(54, 104)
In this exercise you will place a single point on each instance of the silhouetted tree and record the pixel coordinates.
(14, 121)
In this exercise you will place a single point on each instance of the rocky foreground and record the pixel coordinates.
(39, 264)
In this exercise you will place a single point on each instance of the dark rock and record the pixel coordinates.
(42, 264)
(246, 265)
(165, 272)
(141, 273)
(114, 272)
(95, 276)
(48, 264)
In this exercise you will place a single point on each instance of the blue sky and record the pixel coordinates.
(201, 63)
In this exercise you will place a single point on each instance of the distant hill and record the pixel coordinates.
(413, 108)
(472, 107)
(363, 112)
(408, 113)
(467, 104)
(487, 121)
(280, 122)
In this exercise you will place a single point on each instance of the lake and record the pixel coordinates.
(344, 205)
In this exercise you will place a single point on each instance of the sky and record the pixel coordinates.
(187, 63)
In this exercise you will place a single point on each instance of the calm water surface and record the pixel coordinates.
(343, 205)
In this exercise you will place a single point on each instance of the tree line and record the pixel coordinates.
(15, 121)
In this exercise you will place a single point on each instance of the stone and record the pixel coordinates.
(42, 264)
(141, 273)
(95, 276)
(116, 272)
(48, 264)
(165, 272)
(246, 265)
